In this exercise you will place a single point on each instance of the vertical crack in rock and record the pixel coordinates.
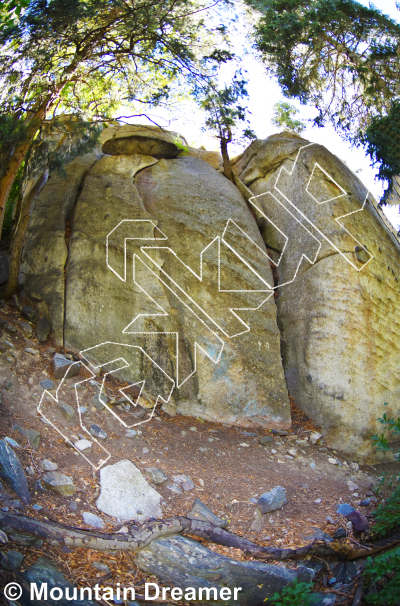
(69, 226)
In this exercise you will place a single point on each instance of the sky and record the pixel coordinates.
(264, 92)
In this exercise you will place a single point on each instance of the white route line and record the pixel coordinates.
(66, 438)
(290, 173)
(145, 221)
(164, 313)
(304, 255)
(199, 277)
(330, 178)
(126, 364)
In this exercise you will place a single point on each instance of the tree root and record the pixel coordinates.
(141, 536)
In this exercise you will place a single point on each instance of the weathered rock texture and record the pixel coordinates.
(187, 207)
(185, 563)
(160, 254)
(126, 495)
(338, 317)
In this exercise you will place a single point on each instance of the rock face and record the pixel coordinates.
(4, 265)
(11, 471)
(126, 495)
(338, 310)
(147, 254)
(272, 500)
(59, 483)
(197, 354)
(185, 563)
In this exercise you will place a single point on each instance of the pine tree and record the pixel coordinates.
(88, 57)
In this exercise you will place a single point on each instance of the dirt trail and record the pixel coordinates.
(227, 465)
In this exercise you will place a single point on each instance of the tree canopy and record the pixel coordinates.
(343, 58)
(226, 110)
(89, 56)
(284, 116)
(338, 55)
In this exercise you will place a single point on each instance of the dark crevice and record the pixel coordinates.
(69, 226)
(275, 274)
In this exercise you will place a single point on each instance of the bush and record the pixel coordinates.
(293, 595)
(382, 572)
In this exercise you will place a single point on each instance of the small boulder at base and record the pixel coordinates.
(185, 563)
(126, 495)
(83, 445)
(30, 314)
(42, 329)
(97, 432)
(267, 441)
(26, 329)
(47, 465)
(32, 435)
(184, 481)
(47, 384)
(64, 367)
(155, 475)
(60, 483)
(11, 471)
(272, 500)
(359, 521)
(93, 520)
(66, 410)
(201, 512)
(344, 509)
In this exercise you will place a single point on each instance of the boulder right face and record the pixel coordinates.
(337, 263)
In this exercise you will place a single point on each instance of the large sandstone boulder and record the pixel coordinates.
(156, 264)
(338, 305)
(161, 266)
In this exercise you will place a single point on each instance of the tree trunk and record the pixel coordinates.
(8, 178)
(18, 241)
(140, 536)
(225, 158)
(31, 124)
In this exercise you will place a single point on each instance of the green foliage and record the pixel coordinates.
(81, 137)
(226, 108)
(390, 425)
(11, 202)
(92, 55)
(339, 55)
(293, 595)
(382, 142)
(10, 11)
(387, 516)
(284, 117)
(382, 574)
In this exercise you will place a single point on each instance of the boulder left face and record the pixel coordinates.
(160, 263)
